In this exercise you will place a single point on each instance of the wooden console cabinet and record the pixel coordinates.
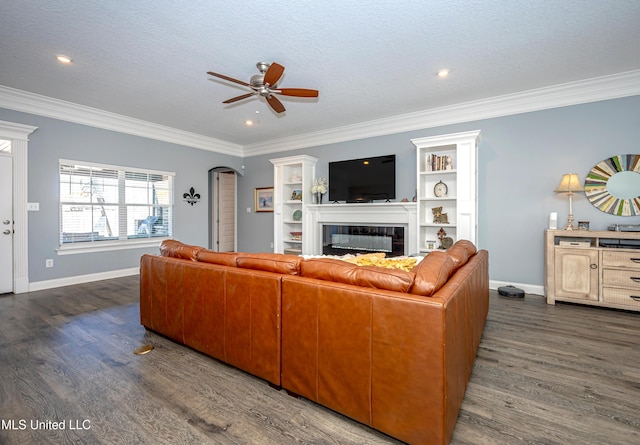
(587, 267)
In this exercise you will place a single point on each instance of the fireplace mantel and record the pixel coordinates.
(371, 214)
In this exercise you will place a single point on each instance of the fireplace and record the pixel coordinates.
(392, 215)
(355, 239)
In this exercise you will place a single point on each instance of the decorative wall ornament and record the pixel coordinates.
(192, 197)
(613, 185)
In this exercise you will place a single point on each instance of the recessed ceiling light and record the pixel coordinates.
(63, 59)
(248, 122)
(443, 73)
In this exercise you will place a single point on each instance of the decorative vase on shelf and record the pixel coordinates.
(318, 197)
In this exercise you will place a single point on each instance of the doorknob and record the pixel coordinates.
(7, 232)
(6, 221)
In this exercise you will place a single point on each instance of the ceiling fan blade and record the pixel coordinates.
(237, 98)
(273, 74)
(230, 79)
(300, 92)
(275, 104)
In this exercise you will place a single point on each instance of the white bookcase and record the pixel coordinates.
(292, 180)
(453, 160)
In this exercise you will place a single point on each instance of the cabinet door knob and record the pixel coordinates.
(593, 266)
(7, 222)
(7, 232)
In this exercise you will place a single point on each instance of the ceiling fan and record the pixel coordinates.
(265, 85)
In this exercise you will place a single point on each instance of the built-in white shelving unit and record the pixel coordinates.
(292, 180)
(451, 162)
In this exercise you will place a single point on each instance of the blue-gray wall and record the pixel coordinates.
(521, 160)
(56, 139)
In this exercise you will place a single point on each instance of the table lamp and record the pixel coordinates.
(569, 184)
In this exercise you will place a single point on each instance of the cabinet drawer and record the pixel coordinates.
(623, 297)
(629, 279)
(621, 259)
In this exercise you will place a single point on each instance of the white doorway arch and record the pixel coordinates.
(18, 134)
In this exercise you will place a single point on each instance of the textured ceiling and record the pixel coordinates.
(369, 59)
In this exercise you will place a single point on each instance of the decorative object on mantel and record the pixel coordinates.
(318, 189)
(569, 184)
(192, 197)
(613, 185)
(445, 241)
(438, 216)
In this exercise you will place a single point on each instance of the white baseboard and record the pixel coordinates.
(527, 288)
(79, 279)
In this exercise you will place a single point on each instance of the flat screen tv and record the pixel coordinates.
(363, 180)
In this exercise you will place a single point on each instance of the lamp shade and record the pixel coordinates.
(570, 183)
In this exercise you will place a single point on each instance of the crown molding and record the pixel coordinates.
(572, 93)
(27, 102)
(13, 130)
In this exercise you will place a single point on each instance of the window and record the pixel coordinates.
(5, 146)
(101, 203)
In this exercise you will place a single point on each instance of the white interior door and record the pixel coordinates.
(6, 224)
(227, 211)
(224, 211)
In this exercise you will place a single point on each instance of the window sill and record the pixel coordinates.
(105, 246)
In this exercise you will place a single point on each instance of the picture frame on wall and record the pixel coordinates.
(263, 197)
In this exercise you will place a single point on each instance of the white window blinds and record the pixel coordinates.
(111, 203)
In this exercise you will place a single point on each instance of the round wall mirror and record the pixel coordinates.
(613, 185)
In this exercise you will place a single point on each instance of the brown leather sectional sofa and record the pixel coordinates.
(389, 348)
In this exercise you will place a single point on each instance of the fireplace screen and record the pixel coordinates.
(344, 239)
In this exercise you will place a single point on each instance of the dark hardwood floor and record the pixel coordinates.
(544, 374)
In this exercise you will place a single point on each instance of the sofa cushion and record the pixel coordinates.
(384, 278)
(339, 271)
(461, 251)
(329, 269)
(432, 273)
(223, 258)
(176, 249)
(270, 262)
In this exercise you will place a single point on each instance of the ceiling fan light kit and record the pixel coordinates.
(265, 85)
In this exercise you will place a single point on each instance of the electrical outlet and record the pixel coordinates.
(272, 245)
(248, 209)
(48, 262)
